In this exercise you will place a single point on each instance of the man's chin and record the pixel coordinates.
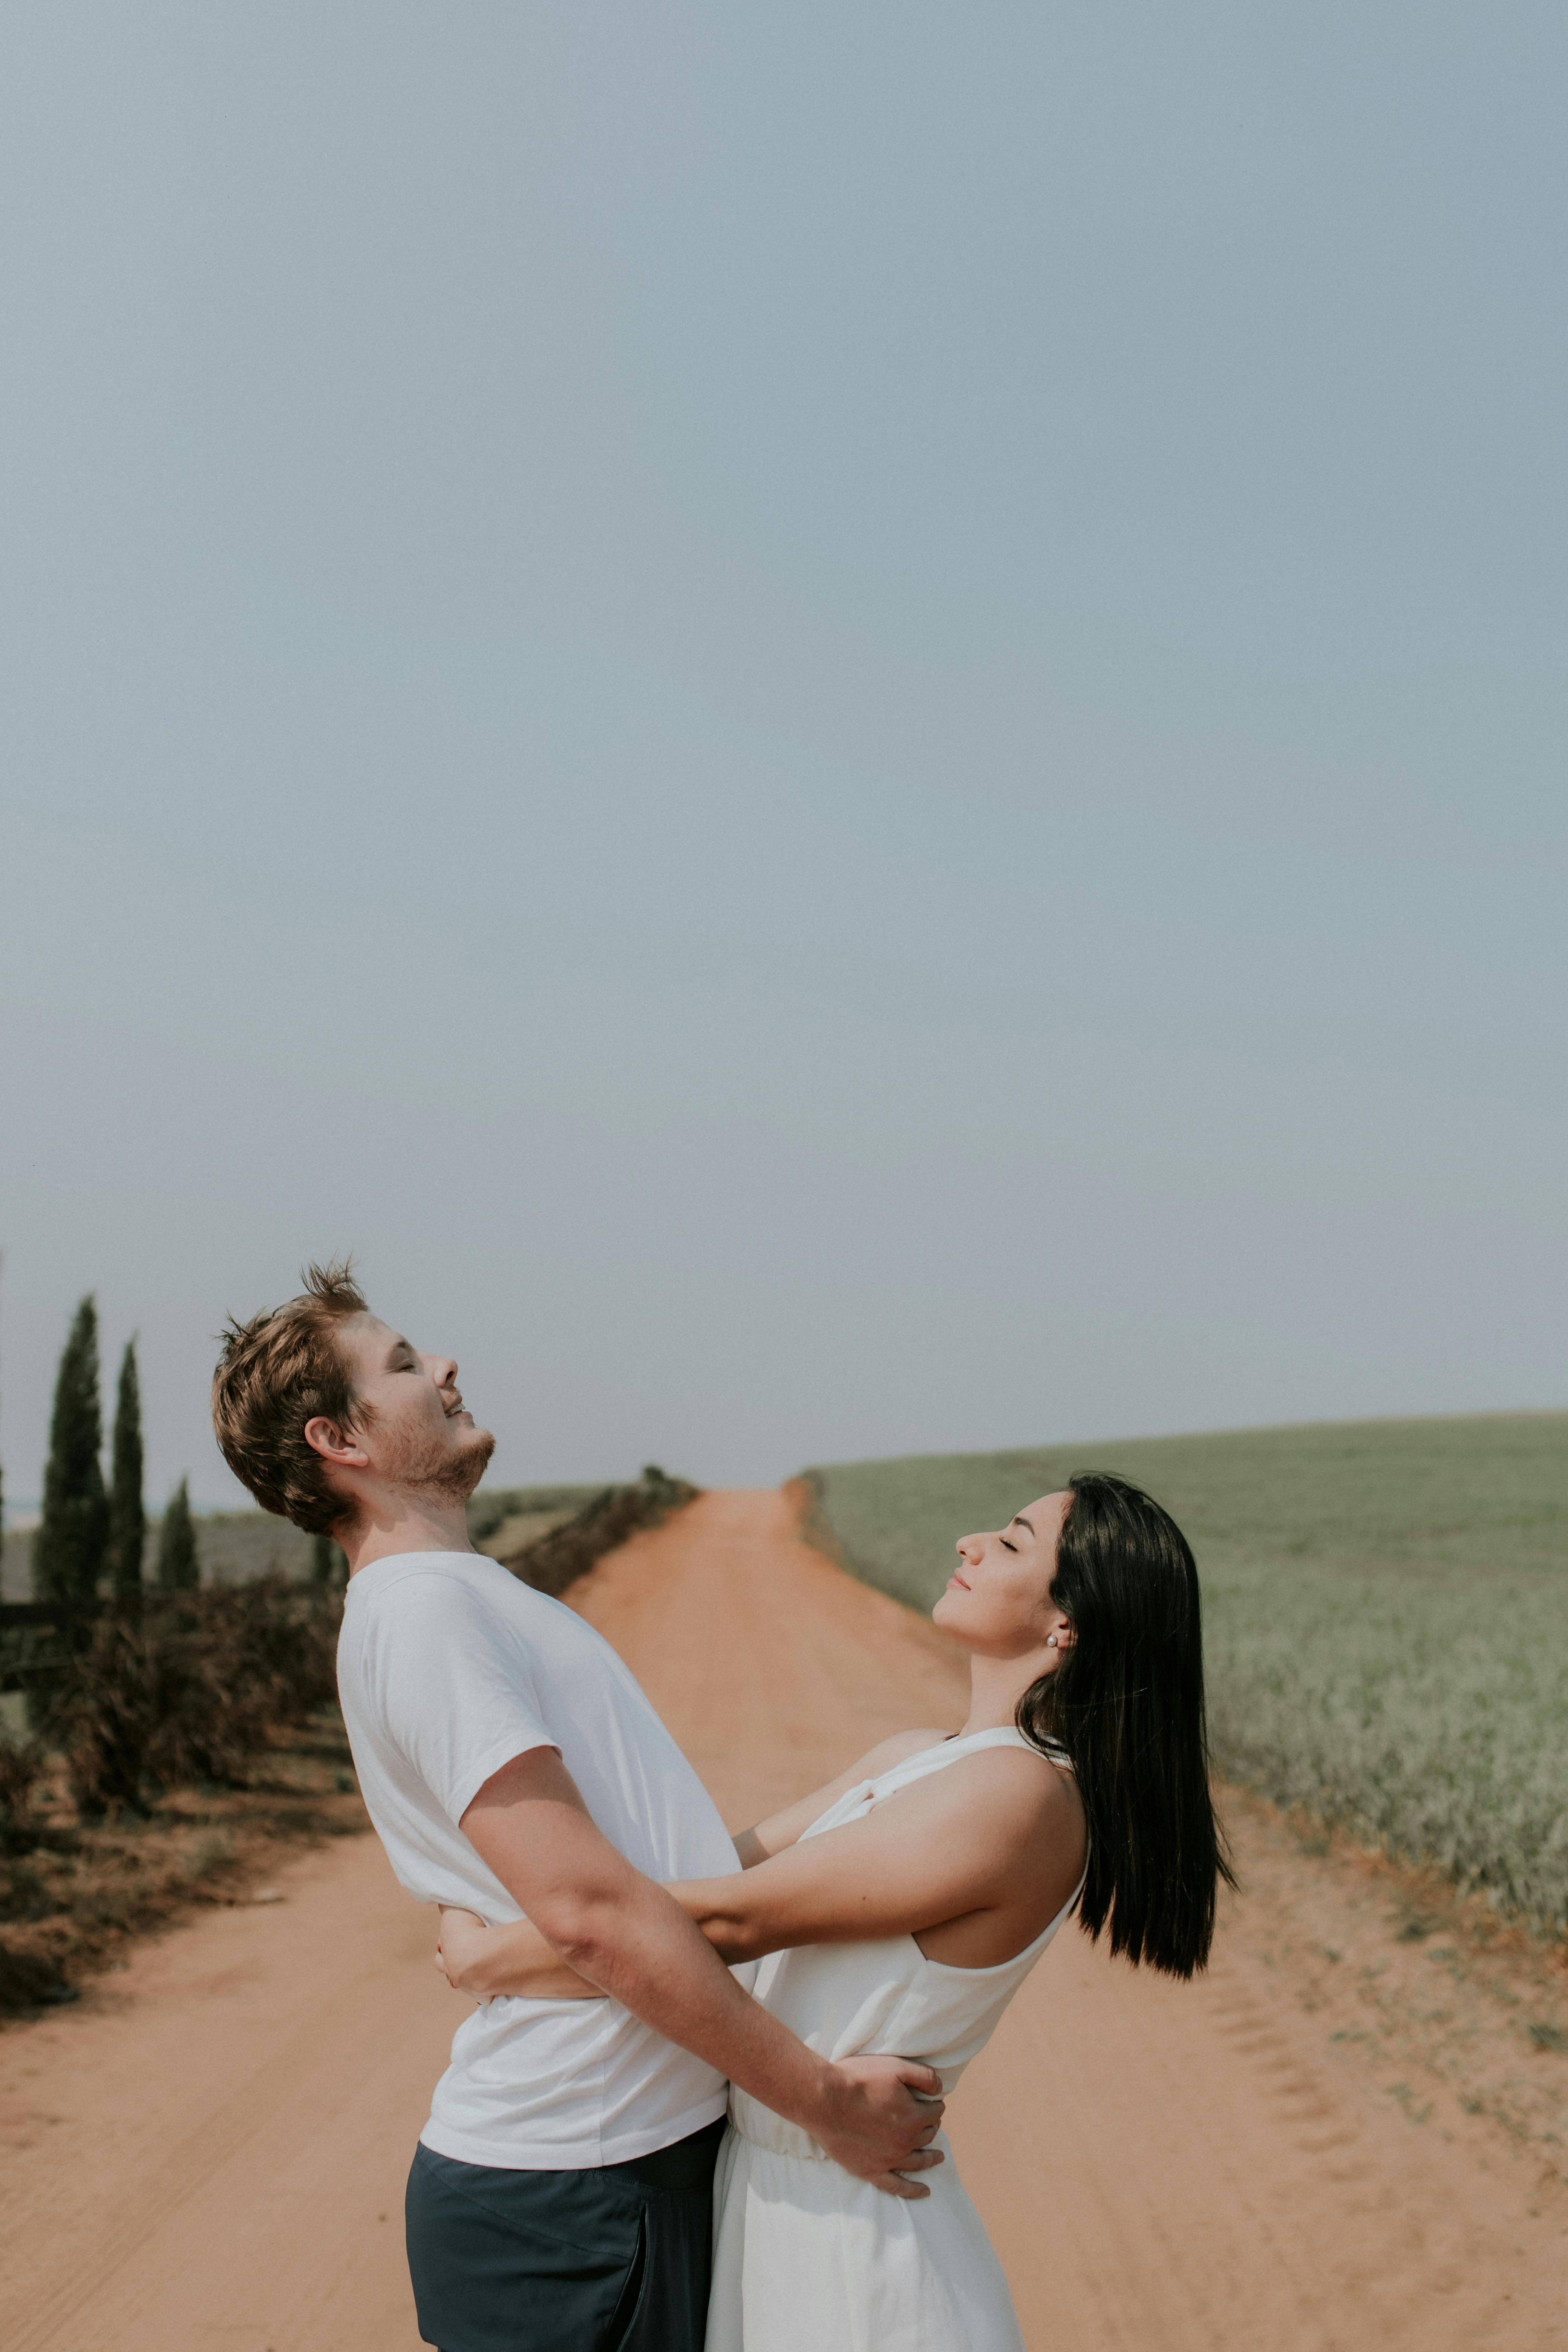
(455, 1478)
(474, 1459)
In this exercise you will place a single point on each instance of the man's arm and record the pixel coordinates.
(627, 1936)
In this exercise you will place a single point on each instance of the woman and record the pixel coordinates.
(900, 1907)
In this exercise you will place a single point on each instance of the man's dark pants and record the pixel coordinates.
(616, 2259)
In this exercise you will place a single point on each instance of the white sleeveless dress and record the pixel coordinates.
(805, 2257)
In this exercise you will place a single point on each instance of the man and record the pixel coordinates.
(560, 2194)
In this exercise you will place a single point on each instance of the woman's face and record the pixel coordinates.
(998, 1599)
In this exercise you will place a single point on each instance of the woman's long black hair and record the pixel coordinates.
(1127, 1705)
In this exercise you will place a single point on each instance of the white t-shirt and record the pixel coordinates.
(447, 1667)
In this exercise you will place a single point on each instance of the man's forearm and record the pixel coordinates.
(640, 1947)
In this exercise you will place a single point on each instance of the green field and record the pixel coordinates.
(1385, 1614)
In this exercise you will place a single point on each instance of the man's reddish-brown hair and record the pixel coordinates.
(277, 1372)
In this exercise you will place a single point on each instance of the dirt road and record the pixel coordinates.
(203, 2155)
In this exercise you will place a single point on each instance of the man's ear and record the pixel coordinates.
(339, 1446)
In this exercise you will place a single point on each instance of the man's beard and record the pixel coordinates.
(427, 1465)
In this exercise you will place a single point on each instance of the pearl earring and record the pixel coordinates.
(1051, 1641)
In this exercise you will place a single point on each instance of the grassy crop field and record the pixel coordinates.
(1385, 1614)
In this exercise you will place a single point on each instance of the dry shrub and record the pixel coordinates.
(555, 1560)
(191, 1693)
(26, 1980)
(21, 1765)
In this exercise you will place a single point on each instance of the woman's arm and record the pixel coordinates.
(514, 1956)
(782, 1829)
(986, 1852)
(511, 1959)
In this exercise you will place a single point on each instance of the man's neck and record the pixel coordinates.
(399, 1523)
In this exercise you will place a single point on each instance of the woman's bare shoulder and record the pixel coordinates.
(1022, 1790)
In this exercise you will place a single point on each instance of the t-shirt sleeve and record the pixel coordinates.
(455, 1688)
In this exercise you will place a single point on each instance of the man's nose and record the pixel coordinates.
(444, 1371)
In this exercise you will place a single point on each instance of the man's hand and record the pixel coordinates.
(883, 2129)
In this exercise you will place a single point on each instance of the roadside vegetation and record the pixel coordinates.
(1385, 1615)
(550, 1546)
(78, 1881)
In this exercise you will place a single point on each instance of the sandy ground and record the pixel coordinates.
(210, 2152)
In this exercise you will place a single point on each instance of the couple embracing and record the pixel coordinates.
(698, 2104)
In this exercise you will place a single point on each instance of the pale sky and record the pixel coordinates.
(845, 725)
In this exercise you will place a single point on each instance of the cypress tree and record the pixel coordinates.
(70, 1546)
(327, 1563)
(126, 1520)
(179, 1569)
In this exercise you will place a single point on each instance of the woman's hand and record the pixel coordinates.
(460, 1946)
(511, 1959)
